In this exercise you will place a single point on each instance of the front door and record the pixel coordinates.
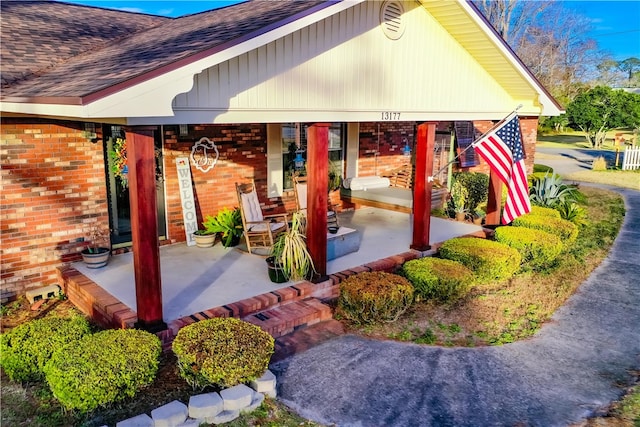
(118, 188)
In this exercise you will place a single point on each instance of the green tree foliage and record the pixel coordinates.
(631, 67)
(601, 109)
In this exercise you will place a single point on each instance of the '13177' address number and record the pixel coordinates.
(390, 115)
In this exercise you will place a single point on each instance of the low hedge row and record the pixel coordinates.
(25, 350)
(103, 368)
(440, 279)
(489, 260)
(565, 230)
(538, 248)
(372, 297)
(222, 351)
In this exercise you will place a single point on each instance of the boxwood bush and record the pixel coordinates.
(373, 297)
(488, 259)
(26, 349)
(565, 230)
(102, 368)
(538, 248)
(543, 211)
(222, 351)
(440, 279)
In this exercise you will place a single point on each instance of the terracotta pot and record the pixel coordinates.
(461, 216)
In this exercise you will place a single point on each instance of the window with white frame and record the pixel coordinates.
(294, 150)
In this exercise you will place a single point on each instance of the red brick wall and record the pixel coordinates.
(242, 157)
(381, 144)
(53, 188)
(381, 147)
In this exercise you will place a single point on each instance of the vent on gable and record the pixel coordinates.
(391, 19)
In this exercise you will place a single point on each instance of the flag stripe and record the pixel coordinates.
(503, 151)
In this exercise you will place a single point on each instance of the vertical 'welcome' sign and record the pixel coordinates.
(186, 199)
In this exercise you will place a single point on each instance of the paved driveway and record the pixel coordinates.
(570, 370)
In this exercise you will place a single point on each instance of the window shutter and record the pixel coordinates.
(274, 160)
(353, 147)
(465, 135)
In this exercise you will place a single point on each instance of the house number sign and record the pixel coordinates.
(186, 199)
(204, 154)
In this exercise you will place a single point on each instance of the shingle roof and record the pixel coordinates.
(166, 42)
(36, 35)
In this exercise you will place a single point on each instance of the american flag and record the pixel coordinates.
(502, 149)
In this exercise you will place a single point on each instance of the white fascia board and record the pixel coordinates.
(153, 98)
(549, 107)
(62, 110)
(283, 116)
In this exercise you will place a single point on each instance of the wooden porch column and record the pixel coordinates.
(144, 227)
(494, 200)
(317, 194)
(425, 144)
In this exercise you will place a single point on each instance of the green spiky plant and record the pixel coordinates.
(290, 251)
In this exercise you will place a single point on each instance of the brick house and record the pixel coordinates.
(360, 80)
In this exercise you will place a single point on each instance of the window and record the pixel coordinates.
(294, 150)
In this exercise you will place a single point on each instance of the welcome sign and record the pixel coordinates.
(187, 200)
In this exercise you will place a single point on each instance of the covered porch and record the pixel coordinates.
(198, 279)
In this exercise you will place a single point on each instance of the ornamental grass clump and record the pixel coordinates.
(440, 279)
(25, 350)
(373, 297)
(222, 352)
(565, 230)
(489, 260)
(538, 248)
(103, 368)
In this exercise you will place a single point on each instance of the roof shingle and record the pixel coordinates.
(134, 52)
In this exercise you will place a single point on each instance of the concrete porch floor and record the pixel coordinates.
(196, 279)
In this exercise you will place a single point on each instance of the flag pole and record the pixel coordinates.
(432, 177)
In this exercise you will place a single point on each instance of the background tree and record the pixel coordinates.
(551, 40)
(601, 109)
(631, 66)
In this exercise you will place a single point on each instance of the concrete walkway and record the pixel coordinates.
(570, 370)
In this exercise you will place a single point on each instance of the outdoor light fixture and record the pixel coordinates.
(406, 150)
(298, 161)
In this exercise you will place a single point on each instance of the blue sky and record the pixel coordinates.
(616, 24)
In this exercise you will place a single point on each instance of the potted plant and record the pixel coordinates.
(289, 258)
(96, 255)
(227, 222)
(204, 238)
(459, 196)
(478, 216)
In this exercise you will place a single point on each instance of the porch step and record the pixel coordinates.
(284, 319)
(305, 338)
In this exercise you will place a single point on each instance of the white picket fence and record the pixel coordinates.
(631, 159)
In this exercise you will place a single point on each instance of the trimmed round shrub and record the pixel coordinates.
(565, 230)
(26, 349)
(222, 351)
(440, 279)
(102, 368)
(488, 259)
(537, 248)
(542, 211)
(373, 297)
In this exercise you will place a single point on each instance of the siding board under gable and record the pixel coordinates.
(343, 68)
